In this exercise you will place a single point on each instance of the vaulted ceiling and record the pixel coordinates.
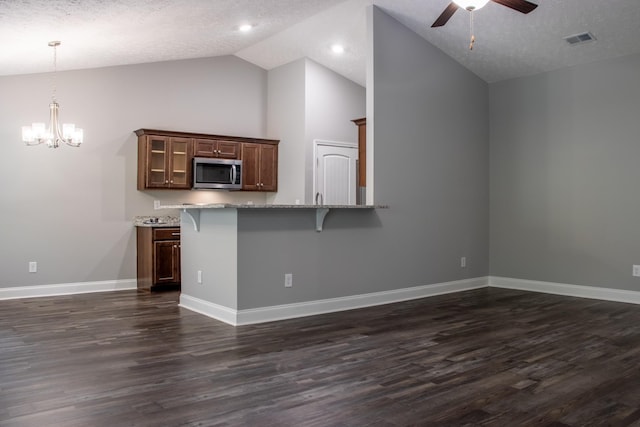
(97, 33)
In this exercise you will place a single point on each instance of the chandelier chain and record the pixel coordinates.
(55, 72)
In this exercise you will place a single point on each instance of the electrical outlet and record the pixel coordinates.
(288, 280)
(33, 267)
(199, 276)
(463, 262)
(156, 204)
(636, 271)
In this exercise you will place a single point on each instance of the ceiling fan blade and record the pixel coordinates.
(446, 15)
(522, 6)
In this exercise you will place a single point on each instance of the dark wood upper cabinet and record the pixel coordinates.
(362, 151)
(259, 167)
(216, 148)
(165, 158)
(164, 162)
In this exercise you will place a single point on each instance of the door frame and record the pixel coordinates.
(326, 143)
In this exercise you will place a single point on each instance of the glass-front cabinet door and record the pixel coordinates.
(158, 175)
(180, 163)
(168, 162)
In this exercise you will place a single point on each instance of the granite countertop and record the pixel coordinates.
(261, 206)
(193, 210)
(156, 221)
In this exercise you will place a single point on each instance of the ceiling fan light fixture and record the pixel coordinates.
(471, 4)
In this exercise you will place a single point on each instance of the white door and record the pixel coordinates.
(335, 178)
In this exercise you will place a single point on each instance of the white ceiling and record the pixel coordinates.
(98, 33)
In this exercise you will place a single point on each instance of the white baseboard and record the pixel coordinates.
(311, 308)
(592, 292)
(209, 309)
(66, 289)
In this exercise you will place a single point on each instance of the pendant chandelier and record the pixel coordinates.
(55, 134)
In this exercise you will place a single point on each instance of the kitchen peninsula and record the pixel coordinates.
(193, 209)
(235, 256)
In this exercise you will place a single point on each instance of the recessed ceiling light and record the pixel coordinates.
(245, 27)
(337, 48)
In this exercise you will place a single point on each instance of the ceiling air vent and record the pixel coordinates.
(579, 38)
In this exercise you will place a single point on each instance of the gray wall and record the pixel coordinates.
(286, 122)
(308, 101)
(430, 169)
(332, 101)
(71, 209)
(213, 251)
(564, 175)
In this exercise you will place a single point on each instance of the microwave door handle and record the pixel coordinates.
(233, 174)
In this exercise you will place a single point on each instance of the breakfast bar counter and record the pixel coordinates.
(192, 210)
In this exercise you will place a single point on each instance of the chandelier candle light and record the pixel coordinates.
(55, 134)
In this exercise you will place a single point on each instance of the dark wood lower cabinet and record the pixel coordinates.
(158, 257)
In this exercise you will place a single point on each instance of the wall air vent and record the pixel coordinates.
(579, 38)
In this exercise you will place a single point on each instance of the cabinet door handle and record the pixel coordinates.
(166, 181)
(175, 234)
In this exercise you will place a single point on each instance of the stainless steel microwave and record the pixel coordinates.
(221, 174)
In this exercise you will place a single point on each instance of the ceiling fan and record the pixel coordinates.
(522, 6)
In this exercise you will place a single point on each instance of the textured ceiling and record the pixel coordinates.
(97, 33)
(510, 44)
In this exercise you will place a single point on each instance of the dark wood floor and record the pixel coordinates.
(489, 357)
